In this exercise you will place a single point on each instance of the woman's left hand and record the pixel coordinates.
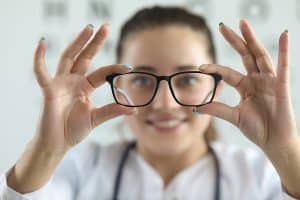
(264, 114)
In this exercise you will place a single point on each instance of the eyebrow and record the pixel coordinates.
(152, 68)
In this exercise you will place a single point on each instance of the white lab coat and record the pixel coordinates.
(88, 173)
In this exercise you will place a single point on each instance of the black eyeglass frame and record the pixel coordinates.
(110, 79)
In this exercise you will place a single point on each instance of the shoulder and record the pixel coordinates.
(88, 154)
(230, 153)
(81, 161)
(246, 166)
(247, 158)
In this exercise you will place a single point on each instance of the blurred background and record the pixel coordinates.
(24, 22)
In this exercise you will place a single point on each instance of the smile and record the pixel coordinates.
(171, 125)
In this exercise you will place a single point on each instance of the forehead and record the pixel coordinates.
(165, 48)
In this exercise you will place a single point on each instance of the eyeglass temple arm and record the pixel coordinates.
(124, 95)
(207, 96)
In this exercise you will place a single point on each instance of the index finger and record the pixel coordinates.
(230, 76)
(98, 77)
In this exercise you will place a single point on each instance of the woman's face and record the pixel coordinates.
(164, 126)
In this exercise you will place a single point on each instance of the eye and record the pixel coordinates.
(187, 80)
(142, 81)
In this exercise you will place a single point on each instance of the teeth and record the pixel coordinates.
(167, 124)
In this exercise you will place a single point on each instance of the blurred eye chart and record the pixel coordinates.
(59, 21)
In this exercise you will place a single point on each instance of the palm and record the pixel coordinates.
(68, 115)
(67, 110)
(257, 110)
(264, 113)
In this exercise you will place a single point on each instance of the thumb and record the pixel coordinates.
(220, 110)
(109, 111)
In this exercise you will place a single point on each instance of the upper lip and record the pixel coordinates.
(165, 118)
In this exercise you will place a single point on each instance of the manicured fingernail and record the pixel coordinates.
(42, 39)
(203, 67)
(127, 66)
(134, 111)
(195, 112)
(90, 26)
(221, 24)
(287, 31)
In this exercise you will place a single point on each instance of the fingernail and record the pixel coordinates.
(195, 112)
(203, 67)
(132, 111)
(42, 39)
(286, 30)
(90, 26)
(135, 111)
(221, 24)
(127, 66)
(105, 26)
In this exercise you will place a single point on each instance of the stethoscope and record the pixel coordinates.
(124, 157)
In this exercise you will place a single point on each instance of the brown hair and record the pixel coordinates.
(157, 16)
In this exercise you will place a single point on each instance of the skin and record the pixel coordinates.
(165, 50)
(264, 114)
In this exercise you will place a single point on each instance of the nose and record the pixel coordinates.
(164, 98)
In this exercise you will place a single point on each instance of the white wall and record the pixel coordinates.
(24, 22)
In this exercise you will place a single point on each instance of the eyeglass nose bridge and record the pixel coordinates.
(162, 78)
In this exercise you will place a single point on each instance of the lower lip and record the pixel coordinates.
(176, 129)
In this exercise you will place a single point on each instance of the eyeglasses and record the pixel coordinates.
(189, 88)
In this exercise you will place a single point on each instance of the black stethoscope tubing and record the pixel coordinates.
(124, 157)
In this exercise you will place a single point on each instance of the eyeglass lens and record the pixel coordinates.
(137, 89)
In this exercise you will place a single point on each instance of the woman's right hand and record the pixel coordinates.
(67, 115)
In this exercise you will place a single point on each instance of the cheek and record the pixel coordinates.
(199, 123)
(134, 122)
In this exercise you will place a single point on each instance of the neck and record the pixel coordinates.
(168, 166)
